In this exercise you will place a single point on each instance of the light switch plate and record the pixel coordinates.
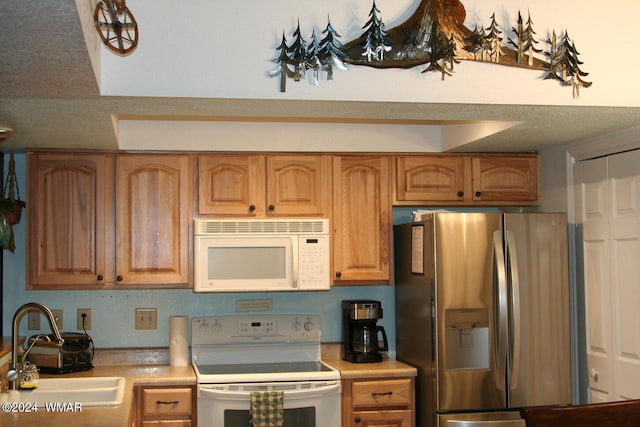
(146, 318)
(58, 315)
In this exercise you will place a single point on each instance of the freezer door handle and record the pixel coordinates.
(500, 310)
(512, 259)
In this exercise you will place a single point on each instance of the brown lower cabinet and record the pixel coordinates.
(378, 402)
(165, 406)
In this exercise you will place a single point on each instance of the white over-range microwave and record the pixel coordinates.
(261, 255)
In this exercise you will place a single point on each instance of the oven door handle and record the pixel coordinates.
(205, 390)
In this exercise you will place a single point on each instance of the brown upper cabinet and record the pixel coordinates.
(361, 220)
(265, 185)
(505, 180)
(104, 220)
(478, 179)
(154, 210)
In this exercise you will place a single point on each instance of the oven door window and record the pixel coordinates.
(297, 417)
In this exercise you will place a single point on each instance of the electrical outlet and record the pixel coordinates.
(33, 320)
(146, 318)
(58, 315)
(83, 324)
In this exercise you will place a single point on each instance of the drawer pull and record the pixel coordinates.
(385, 393)
(167, 402)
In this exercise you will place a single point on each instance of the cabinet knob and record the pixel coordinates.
(272, 208)
(338, 274)
(357, 419)
(460, 193)
(119, 278)
(478, 193)
(252, 208)
(100, 278)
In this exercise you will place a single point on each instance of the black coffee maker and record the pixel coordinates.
(360, 333)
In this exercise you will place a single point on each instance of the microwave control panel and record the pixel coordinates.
(313, 262)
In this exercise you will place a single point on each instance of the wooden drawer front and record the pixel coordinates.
(392, 418)
(166, 401)
(167, 423)
(366, 394)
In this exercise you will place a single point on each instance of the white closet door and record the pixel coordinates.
(608, 207)
(591, 199)
(624, 179)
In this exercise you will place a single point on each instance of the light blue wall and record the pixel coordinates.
(113, 311)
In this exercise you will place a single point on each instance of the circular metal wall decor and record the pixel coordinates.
(116, 26)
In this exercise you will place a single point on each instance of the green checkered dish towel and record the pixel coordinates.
(267, 408)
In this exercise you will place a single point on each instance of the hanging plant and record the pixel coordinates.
(5, 231)
(11, 205)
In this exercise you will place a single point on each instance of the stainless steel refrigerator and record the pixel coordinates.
(482, 311)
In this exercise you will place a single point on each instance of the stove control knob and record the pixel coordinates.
(217, 327)
(204, 327)
(296, 325)
(309, 326)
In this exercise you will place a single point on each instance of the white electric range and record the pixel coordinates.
(236, 355)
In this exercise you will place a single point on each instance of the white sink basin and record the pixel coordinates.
(88, 391)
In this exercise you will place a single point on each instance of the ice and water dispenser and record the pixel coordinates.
(467, 338)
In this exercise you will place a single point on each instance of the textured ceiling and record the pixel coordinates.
(49, 95)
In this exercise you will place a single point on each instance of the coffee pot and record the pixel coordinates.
(361, 334)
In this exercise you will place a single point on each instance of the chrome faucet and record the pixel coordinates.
(13, 373)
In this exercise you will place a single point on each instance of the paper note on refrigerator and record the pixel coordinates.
(417, 249)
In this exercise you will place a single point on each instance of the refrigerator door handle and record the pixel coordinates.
(512, 259)
(500, 311)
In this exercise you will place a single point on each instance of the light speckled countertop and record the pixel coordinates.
(5, 346)
(387, 368)
(332, 355)
(107, 416)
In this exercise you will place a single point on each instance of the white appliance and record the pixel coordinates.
(482, 311)
(236, 355)
(261, 255)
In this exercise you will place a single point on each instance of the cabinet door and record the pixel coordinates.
(429, 179)
(361, 220)
(70, 220)
(298, 185)
(231, 185)
(505, 178)
(154, 211)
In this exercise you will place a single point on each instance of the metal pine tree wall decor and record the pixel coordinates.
(435, 37)
(296, 58)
